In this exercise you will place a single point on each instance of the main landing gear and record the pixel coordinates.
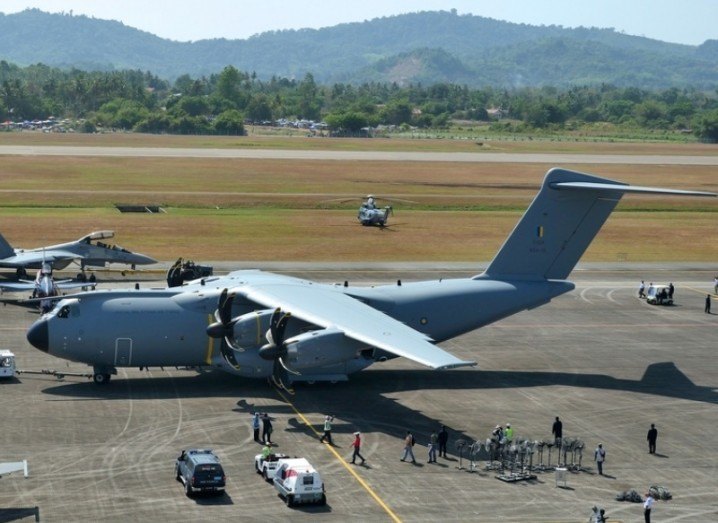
(102, 375)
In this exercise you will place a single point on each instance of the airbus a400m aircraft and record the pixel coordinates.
(89, 250)
(257, 324)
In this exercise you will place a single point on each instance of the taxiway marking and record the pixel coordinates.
(341, 460)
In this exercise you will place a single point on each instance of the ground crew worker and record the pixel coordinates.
(266, 451)
(642, 290)
(509, 433)
(708, 304)
(327, 430)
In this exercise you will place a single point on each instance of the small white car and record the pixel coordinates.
(297, 481)
(658, 295)
(268, 466)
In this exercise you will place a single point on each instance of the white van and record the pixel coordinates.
(297, 482)
(7, 364)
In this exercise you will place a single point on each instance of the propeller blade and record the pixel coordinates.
(280, 378)
(225, 307)
(291, 371)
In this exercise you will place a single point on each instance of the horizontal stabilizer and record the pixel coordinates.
(626, 188)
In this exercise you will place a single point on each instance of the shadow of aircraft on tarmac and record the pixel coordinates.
(364, 403)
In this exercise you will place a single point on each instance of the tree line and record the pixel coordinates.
(223, 103)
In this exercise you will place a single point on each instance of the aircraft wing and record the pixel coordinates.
(69, 284)
(23, 259)
(326, 307)
(17, 286)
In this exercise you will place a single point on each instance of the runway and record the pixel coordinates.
(604, 361)
(384, 156)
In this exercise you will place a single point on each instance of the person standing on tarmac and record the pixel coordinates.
(327, 430)
(647, 506)
(256, 422)
(600, 456)
(357, 447)
(642, 290)
(557, 431)
(708, 304)
(433, 443)
(443, 440)
(408, 444)
(652, 437)
(509, 433)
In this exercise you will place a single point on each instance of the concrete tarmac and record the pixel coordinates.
(604, 361)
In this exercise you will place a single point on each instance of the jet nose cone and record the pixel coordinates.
(38, 335)
(141, 259)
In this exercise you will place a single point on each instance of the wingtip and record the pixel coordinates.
(457, 365)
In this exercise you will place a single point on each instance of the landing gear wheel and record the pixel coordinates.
(21, 272)
(101, 378)
(81, 277)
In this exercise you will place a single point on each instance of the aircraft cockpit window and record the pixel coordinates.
(69, 310)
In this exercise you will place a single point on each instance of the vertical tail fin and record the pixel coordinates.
(559, 225)
(6, 249)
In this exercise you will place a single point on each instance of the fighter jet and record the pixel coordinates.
(263, 325)
(89, 250)
(45, 289)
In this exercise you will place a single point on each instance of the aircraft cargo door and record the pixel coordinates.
(123, 352)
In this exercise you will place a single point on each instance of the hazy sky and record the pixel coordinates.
(688, 21)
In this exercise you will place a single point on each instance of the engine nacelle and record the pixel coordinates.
(319, 348)
(249, 329)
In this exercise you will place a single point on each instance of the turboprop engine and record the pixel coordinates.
(319, 348)
(249, 330)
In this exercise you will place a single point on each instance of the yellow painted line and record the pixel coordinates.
(341, 460)
(699, 291)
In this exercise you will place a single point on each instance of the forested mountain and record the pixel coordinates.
(426, 47)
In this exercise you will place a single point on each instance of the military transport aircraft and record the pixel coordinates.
(44, 287)
(89, 250)
(257, 324)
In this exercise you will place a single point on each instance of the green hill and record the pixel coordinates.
(426, 47)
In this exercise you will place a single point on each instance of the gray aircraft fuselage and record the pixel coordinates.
(168, 327)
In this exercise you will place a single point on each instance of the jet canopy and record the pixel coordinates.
(97, 235)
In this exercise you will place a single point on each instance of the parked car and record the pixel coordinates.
(297, 482)
(268, 466)
(200, 471)
(7, 364)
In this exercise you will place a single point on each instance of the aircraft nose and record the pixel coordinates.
(141, 259)
(38, 335)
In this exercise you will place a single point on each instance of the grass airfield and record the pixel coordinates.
(257, 210)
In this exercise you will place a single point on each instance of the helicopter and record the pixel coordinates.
(370, 214)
